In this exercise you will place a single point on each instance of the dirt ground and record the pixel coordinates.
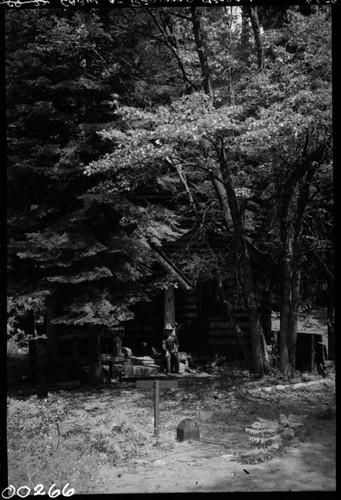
(255, 435)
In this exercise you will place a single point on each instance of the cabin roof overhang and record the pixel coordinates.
(171, 268)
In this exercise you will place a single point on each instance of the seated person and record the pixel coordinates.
(170, 346)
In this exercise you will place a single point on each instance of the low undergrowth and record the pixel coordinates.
(38, 453)
(50, 443)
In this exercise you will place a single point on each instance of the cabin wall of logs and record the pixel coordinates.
(203, 325)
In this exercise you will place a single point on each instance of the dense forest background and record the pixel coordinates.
(128, 128)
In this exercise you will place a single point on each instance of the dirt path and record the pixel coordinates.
(308, 466)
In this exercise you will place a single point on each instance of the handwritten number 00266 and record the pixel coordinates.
(24, 491)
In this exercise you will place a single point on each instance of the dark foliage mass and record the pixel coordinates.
(131, 128)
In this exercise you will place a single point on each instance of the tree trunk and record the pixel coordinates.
(291, 282)
(331, 321)
(200, 45)
(218, 184)
(245, 35)
(253, 13)
(183, 180)
(257, 337)
(284, 365)
(294, 206)
(293, 318)
(229, 309)
(243, 267)
(295, 296)
(95, 367)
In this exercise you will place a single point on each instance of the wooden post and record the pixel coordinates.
(156, 384)
(169, 306)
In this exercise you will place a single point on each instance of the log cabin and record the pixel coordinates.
(204, 328)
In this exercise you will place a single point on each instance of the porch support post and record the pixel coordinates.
(169, 306)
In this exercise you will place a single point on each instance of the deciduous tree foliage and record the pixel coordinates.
(227, 111)
(296, 145)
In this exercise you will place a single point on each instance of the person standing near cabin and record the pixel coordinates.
(170, 346)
